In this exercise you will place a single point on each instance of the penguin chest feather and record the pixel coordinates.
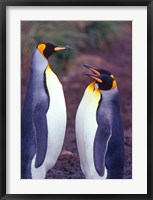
(56, 123)
(56, 115)
(86, 127)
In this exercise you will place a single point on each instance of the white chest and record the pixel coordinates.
(56, 116)
(86, 127)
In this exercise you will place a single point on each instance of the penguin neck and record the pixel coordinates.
(38, 66)
(110, 95)
(39, 62)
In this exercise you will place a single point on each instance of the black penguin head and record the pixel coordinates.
(47, 49)
(103, 78)
(104, 81)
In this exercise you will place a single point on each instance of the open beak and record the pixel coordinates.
(60, 48)
(93, 69)
(95, 77)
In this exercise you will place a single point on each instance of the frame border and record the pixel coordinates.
(3, 6)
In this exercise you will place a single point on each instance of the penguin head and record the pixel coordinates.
(47, 48)
(97, 70)
(103, 78)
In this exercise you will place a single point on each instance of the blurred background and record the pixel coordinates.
(106, 44)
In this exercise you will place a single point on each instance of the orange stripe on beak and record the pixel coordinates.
(97, 79)
(95, 71)
(59, 48)
(114, 84)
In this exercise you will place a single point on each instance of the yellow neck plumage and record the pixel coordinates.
(51, 80)
(91, 91)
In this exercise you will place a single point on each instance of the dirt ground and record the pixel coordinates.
(118, 60)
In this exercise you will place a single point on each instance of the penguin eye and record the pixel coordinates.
(41, 47)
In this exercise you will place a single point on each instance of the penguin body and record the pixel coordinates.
(109, 139)
(56, 121)
(86, 127)
(43, 121)
(99, 133)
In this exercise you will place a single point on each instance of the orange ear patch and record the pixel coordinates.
(41, 47)
(114, 84)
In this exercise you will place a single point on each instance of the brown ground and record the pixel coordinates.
(118, 60)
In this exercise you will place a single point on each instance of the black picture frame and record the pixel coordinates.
(3, 122)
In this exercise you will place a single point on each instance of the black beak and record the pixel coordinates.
(68, 47)
(88, 66)
(93, 69)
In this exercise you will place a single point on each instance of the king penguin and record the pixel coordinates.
(43, 120)
(99, 130)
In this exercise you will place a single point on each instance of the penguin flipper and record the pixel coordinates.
(102, 137)
(41, 130)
